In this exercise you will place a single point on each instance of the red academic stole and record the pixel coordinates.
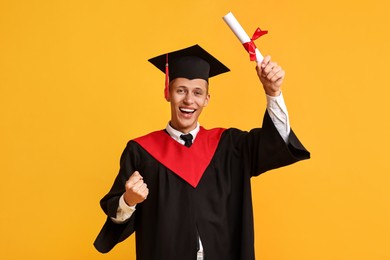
(189, 163)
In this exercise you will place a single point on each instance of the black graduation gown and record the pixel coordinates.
(219, 207)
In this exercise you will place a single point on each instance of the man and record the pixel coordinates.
(189, 196)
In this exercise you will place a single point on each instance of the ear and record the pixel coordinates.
(206, 102)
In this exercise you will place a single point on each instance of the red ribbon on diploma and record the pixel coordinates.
(250, 47)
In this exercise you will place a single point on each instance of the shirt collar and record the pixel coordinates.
(175, 134)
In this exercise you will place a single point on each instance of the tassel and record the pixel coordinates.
(166, 90)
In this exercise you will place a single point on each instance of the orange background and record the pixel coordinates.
(75, 86)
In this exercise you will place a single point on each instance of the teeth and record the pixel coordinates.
(187, 110)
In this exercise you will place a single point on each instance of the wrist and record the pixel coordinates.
(128, 201)
(273, 93)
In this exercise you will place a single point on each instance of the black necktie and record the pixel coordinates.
(187, 139)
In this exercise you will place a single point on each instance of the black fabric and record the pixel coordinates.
(189, 67)
(192, 63)
(187, 139)
(219, 208)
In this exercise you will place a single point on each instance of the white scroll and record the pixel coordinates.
(242, 36)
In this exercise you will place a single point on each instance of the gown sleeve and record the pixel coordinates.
(264, 149)
(112, 233)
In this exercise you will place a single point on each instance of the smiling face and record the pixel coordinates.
(187, 98)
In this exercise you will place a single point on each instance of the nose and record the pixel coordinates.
(188, 99)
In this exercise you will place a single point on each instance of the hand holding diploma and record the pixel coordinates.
(271, 76)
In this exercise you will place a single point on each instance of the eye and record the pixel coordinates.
(180, 91)
(198, 92)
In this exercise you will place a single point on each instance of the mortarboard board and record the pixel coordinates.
(191, 63)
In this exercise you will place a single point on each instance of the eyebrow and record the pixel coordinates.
(199, 88)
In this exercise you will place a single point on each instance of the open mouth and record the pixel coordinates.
(187, 110)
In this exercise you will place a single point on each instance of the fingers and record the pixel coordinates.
(265, 61)
(136, 183)
(271, 70)
(134, 178)
(275, 74)
(143, 191)
(271, 76)
(136, 189)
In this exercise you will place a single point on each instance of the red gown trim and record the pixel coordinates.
(189, 163)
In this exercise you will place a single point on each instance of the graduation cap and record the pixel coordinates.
(191, 63)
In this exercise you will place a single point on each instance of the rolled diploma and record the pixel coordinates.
(242, 36)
